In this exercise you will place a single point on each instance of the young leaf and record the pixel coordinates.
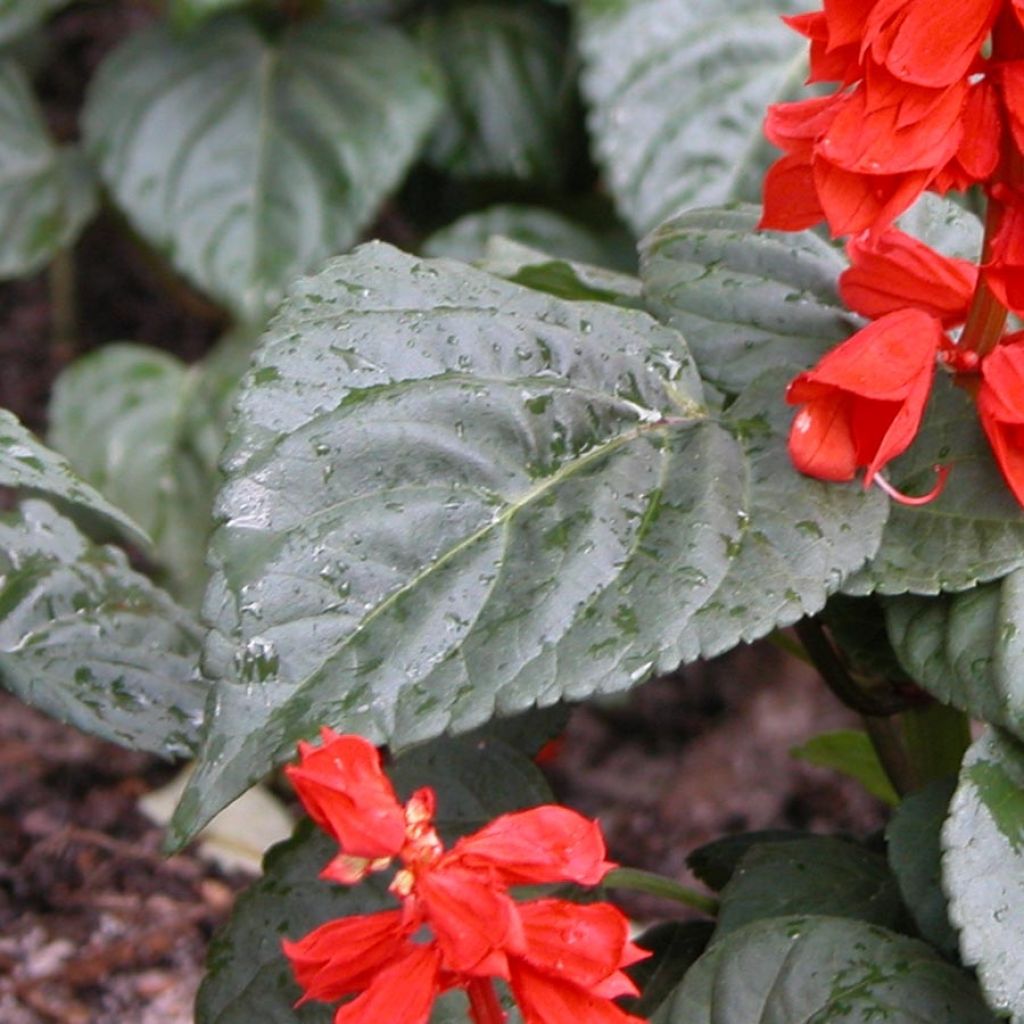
(248, 977)
(19, 16)
(966, 649)
(511, 98)
(849, 751)
(812, 875)
(47, 192)
(249, 161)
(746, 301)
(88, 640)
(788, 969)
(121, 415)
(983, 868)
(452, 497)
(971, 533)
(915, 855)
(26, 464)
(677, 90)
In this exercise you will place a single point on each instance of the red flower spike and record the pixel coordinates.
(892, 271)
(863, 403)
(545, 844)
(1001, 407)
(343, 789)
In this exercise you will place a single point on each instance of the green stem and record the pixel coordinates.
(987, 316)
(63, 303)
(936, 737)
(887, 738)
(659, 885)
(784, 642)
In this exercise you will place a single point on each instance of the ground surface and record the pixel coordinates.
(95, 926)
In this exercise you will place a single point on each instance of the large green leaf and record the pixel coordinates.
(25, 464)
(122, 417)
(249, 161)
(678, 90)
(966, 648)
(88, 640)
(47, 192)
(18, 16)
(972, 533)
(452, 497)
(983, 868)
(822, 969)
(188, 13)
(912, 836)
(813, 875)
(248, 978)
(511, 98)
(745, 300)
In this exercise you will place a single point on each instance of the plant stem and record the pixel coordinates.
(887, 738)
(659, 885)
(63, 304)
(987, 315)
(936, 738)
(483, 1002)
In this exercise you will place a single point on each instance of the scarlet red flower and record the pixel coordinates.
(1001, 407)
(560, 960)
(892, 271)
(863, 403)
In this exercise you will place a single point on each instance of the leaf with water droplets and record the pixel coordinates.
(451, 497)
(677, 92)
(26, 464)
(47, 192)
(745, 300)
(983, 868)
(249, 161)
(88, 640)
(247, 975)
(787, 969)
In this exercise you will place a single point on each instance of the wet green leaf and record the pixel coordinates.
(675, 945)
(511, 97)
(678, 90)
(248, 977)
(983, 868)
(47, 192)
(745, 300)
(451, 497)
(822, 969)
(26, 464)
(281, 151)
(88, 640)
(811, 875)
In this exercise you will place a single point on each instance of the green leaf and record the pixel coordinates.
(850, 752)
(88, 640)
(564, 278)
(811, 875)
(823, 969)
(248, 977)
(966, 649)
(972, 533)
(983, 868)
(678, 90)
(915, 856)
(944, 225)
(122, 417)
(544, 230)
(511, 99)
(745, 300)
(248, 162)
(676, 946)
(47, 192)
(451, 497)
(28, 465)
(716, 862)
(189, 13)
(19, 16)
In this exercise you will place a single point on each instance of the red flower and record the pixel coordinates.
(863, 403)
(893, 270)
(458, 926)
(1001, 407)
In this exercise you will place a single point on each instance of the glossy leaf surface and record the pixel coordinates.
(281, 151)
(88, 640)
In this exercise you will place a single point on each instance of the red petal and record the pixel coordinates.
(790, 196)
(544, 999)
(860, 202)
(403, 993)
(544, 844)
(341, 785)
(1001, 407)
(820, 440)
(891, 271)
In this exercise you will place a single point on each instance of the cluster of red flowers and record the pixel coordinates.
(930, 97)
(457, 925)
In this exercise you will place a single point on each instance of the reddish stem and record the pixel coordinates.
(987, 315)
(484, 1007)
